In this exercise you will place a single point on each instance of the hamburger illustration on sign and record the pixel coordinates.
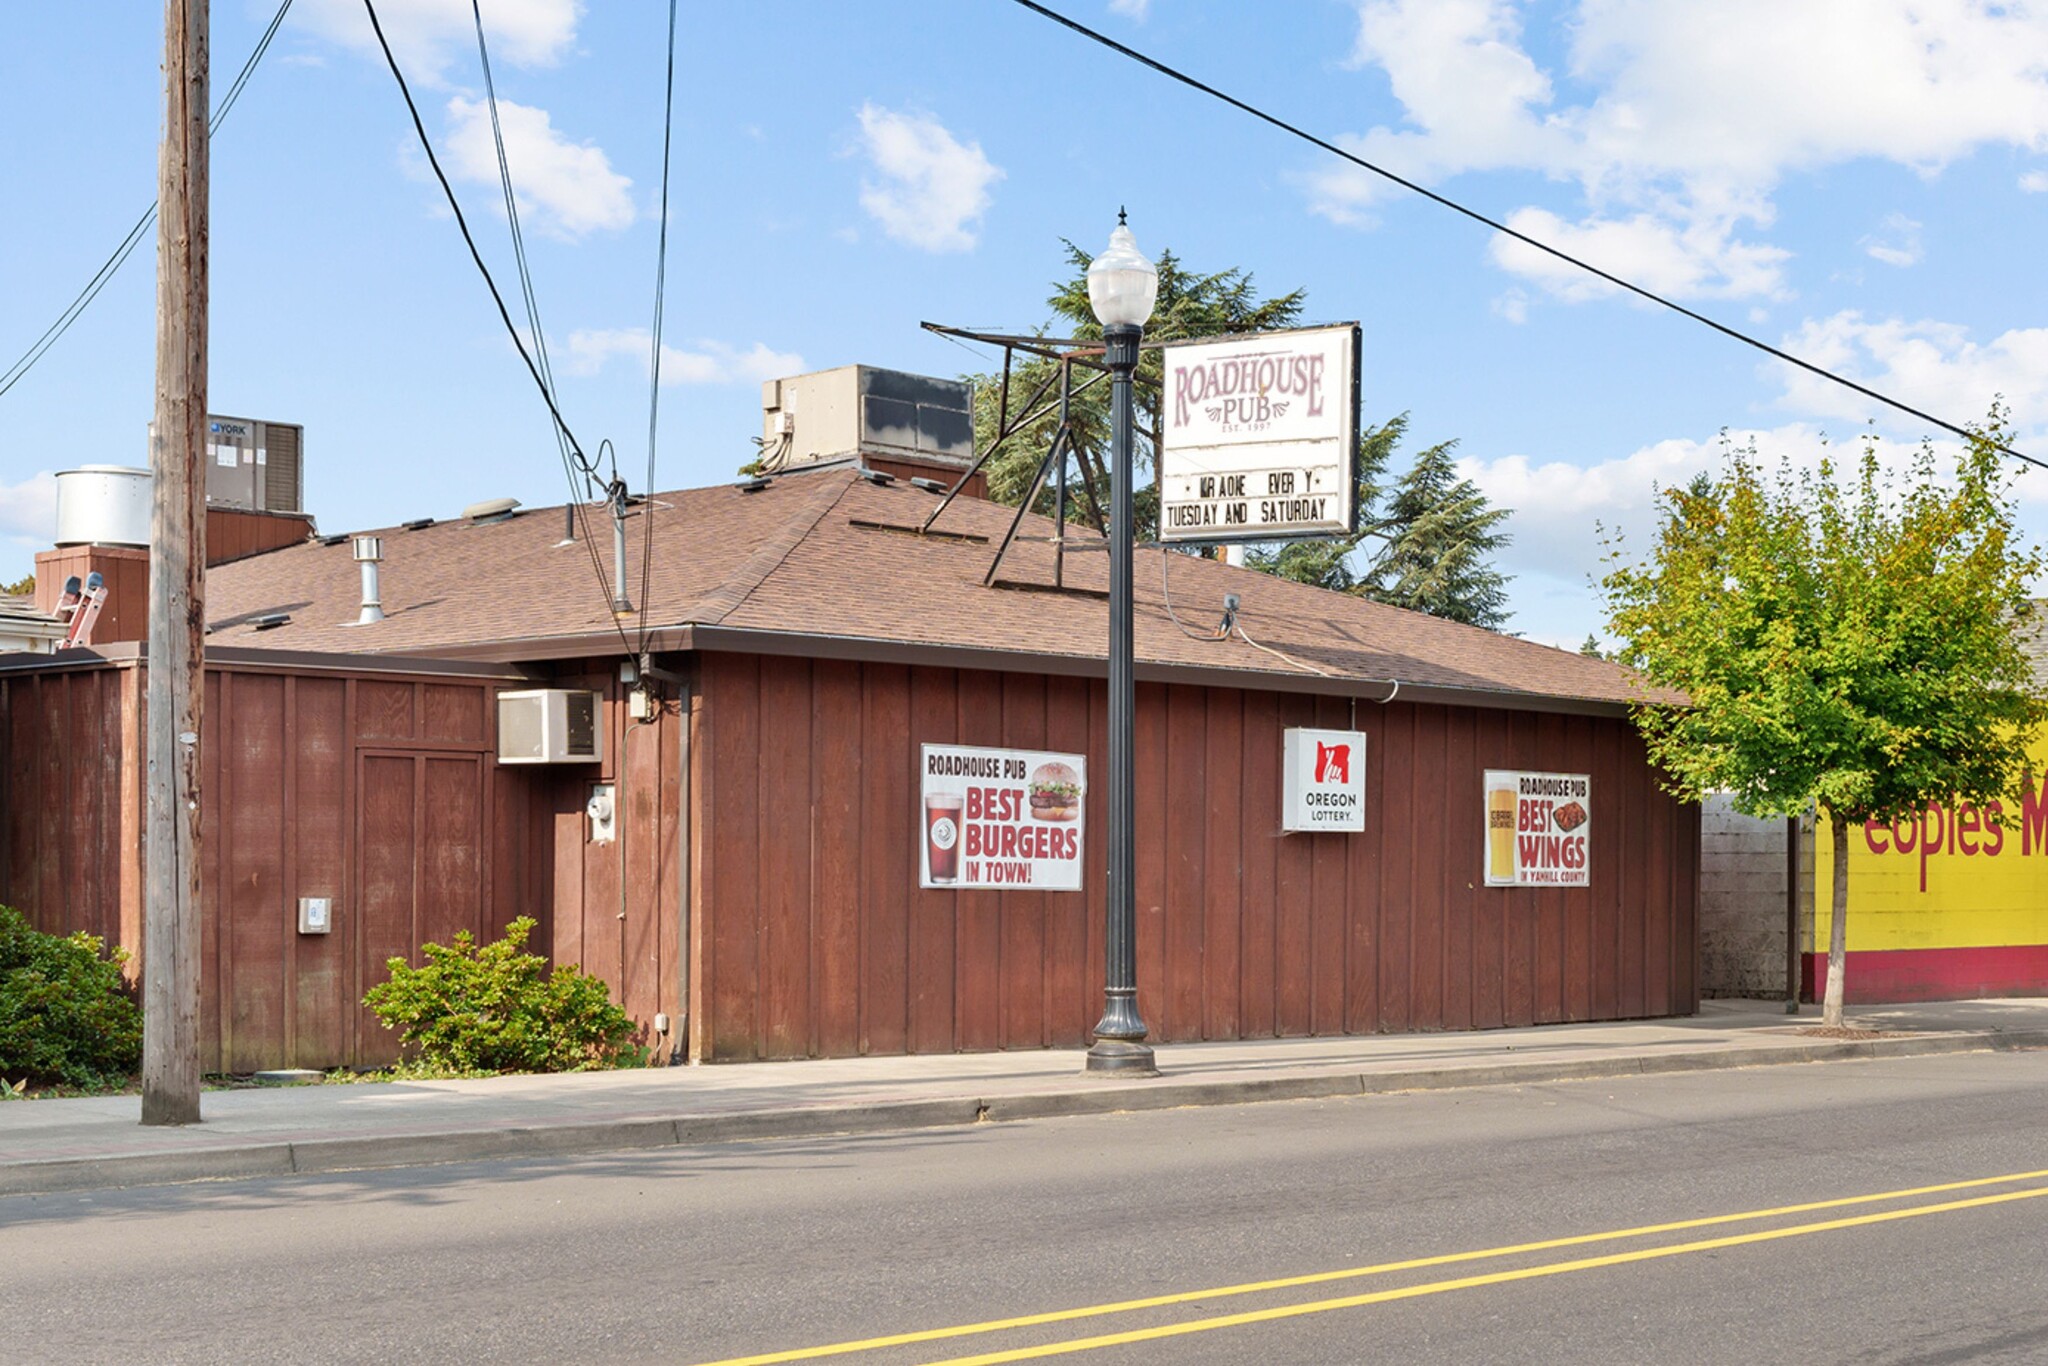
(1055, 792)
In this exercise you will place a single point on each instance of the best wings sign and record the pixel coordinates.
(1258, 436)
(1539, 829)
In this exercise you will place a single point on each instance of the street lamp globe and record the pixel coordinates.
(1122, 284)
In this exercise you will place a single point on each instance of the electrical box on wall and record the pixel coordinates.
(602, 809)
(547, 726)
(316, 915)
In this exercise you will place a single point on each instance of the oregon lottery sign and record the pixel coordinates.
(1000, 818)
(1538, 829)
(1258, 436)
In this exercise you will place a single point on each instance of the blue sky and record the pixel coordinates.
(1864, 182)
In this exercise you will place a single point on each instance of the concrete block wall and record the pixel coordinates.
(1742, 902)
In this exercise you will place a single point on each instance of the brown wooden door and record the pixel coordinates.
(419, 865)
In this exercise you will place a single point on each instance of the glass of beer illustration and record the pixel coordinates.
(1500, 834)
(942, 812)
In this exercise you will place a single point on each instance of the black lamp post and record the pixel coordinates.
(1122, 287)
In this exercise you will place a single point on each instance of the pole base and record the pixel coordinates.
(1122, 1056)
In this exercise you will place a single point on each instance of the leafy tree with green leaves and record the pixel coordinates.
(66, 1018)
(1848, 642)
(20, 588)
(1429, 546)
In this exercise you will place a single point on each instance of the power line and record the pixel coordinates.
(668, 117)
(1477, 217)
(505, 314)
(532, 302)
(55, 331)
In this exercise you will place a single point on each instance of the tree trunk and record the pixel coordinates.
(1838, 926)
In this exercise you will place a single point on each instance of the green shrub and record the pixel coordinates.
(65, 1015)
(489, 1008)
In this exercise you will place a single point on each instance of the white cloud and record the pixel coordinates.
(28, 510)
(1933, 366)
(1561, 513)
(1693, 113)
(568, 187)
(931, 190)
(1694, 260)
(1896, 241)
(1131, 9)
(430, 36)
(706, 362)
(2034, 182)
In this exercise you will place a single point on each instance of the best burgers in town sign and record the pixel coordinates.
(1000, 818)
(1258, 436)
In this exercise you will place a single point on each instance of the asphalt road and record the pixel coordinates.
(745, 1249)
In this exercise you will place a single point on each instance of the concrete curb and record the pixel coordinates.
(290, 1157)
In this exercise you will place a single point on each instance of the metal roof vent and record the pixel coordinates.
(369, 552)
(491, 510)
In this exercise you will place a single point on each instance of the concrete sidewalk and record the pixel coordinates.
(49, 1145)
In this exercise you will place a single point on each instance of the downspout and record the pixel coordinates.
(685, 814)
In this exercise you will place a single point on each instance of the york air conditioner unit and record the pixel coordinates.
(547, 726)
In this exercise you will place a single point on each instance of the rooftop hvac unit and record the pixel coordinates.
(547, 726)
(254, 465)
(858, 410)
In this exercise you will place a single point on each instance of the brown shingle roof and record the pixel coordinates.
(809, 561)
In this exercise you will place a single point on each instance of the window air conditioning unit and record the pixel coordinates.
(547, 726)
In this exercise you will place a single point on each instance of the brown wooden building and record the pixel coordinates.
(762, 896)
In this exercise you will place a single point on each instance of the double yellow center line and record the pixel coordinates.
(1558, 1268)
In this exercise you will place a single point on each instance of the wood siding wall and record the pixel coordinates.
(124, 616)
(380, 791)
(810, 936)
(618, 907)
(237, 533)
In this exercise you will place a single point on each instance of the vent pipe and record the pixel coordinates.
(369, 552)
(622, 605)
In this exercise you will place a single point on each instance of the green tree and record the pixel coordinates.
(1427, 550)
(1847, 642)
(1190, 304)
(20, 588)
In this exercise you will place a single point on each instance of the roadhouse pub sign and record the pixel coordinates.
(1000, 818)
(1258, 436)
(1538, 828)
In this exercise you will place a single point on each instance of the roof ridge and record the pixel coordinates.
(715, 606)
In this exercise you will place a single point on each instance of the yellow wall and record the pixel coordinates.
(1937, 894)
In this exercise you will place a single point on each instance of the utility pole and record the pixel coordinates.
(177, 566)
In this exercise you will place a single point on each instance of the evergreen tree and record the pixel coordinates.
(1190, 304)
(1436, 558)
(1428, 548)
